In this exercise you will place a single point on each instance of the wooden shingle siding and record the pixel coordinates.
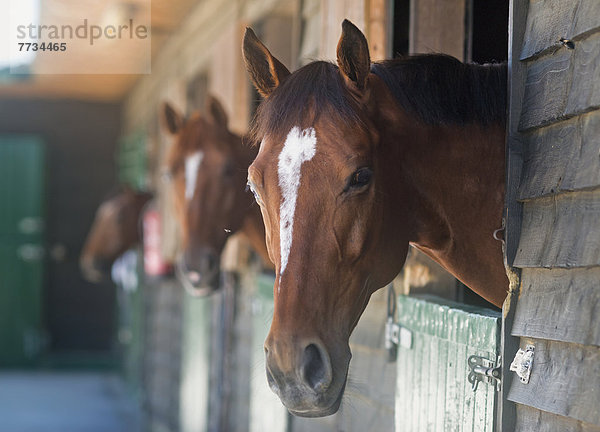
(550, 20)
(531, 419)
(565, 380)
(559, 304)
(555, 96)
(562, 157)
(561, 231)
(562, 83)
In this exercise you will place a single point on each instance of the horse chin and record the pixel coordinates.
(319, 411)
(92, 275)
(193, 282)
(95, 271)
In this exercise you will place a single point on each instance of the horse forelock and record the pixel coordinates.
(312, 91)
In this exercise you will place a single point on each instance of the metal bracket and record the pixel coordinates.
(392, 330)
(395, 334)
(523, 363)
(485, 370)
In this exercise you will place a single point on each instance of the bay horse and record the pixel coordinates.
(207, 165)
(356, 162)
(115, 230)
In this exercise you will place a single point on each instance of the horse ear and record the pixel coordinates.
(216, 112)
(353, 55)
(172, 119)
(266, 72)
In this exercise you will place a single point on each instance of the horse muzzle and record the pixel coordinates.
(94, 269)
(304, 378)
(199, 272)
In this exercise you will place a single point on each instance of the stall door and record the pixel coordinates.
(440, 343)
(21, 248)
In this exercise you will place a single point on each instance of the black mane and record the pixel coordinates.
(439, 89)
(435, 88)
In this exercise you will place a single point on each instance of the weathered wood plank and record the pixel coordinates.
(561, 231)
(438, 27)
(518, 12)
(563, 84)
(547, 22)
(530, 419)
(562, 157)
(585, 82)
(514, 147)
(565, 380)
(586, 18)
(546, 89)
(550, 20)
(559, 304)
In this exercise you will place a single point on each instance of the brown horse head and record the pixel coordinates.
(115, 229)
(207, 165)
(347, 176)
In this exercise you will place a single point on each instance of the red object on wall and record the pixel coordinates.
(154, 263)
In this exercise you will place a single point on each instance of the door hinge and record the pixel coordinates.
(482, 369)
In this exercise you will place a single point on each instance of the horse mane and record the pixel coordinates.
(439, 89)
(435, 88)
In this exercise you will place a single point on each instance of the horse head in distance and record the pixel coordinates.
(207, 166)
(115, 229)
(357, 161)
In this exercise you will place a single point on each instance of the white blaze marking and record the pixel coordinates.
(299, 147)
(192, 162)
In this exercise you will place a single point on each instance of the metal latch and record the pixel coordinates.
(395, 334)
(523, 363)
(392, 330)
(485, 370)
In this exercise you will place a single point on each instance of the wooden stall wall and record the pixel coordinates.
(555, 120)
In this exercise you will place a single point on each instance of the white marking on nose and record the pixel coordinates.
(192, 163)
(300, 146)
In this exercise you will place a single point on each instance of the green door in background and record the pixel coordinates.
(21, 248)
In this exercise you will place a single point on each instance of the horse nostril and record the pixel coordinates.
(194, 277)
(315, 368)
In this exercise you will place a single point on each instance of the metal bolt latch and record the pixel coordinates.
(391, 338)
(485, 370)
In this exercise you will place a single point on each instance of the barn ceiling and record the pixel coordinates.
(165, 17)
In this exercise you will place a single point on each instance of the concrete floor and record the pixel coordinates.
(60, 401)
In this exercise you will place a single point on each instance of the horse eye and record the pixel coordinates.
(360, 178)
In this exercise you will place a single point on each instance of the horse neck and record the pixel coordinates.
(455, 177)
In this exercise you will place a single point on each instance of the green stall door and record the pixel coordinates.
(195, 364)
(433, 393)
(21, 248)
(267, 413)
